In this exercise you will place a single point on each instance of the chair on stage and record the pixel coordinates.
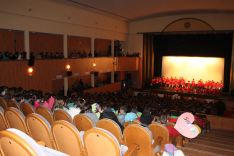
(100, 142)
(61, 114)
(3, 103)
(3, 121)
(112, 127)
(15, 119)
(27, 108)
(11, 103)
(83, 122)
(62, 131)
(138, 135)
(160, 134)
(40, 129)
(14, 142)
(46, 113)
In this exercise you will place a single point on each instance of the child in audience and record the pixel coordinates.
(146, 117)
(106, 112)
(87, 110)
(131, 116)
(49, 101)
(163, 117)
(122, 113)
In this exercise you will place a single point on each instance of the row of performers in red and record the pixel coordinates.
(181, 85)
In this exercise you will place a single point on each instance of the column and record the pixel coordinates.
(231, 87)
(112, 48)
(92, 80)
(65, 86)
(114, 64)
(26, 43)
(92, 46)
(92, 52)
(65, 52)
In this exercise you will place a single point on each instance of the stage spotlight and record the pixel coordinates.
(68, 67)
(30, 71)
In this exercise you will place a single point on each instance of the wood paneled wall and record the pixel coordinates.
(86, 79)
(103, 77)
(78, 44)
(41, 42)
(223, 123)
(14, 73)
(102, 47)
(11, 40)
(125, 63)
(58, 84)
(107, 88)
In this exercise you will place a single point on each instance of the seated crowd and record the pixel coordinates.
(122, 107)
(47, 55)
(12, 56)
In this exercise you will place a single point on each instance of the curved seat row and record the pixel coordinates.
(69, 138)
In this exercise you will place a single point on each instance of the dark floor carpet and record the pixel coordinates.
(214, 143)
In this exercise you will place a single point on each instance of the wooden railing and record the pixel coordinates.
(223, 123)
(106, 88)
(14, 73)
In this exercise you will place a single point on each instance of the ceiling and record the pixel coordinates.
(138, 9)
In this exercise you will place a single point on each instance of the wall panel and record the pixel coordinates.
(11, 40)
(102, 47)
(41, 42)
(14, 73)
(103, 89)
(78, 44)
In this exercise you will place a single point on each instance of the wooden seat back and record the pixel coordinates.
(82, 122)
(61, 114)
(63, 130)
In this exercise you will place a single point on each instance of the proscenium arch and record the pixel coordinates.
(188, 25)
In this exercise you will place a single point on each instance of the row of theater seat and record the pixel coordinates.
(39, 128)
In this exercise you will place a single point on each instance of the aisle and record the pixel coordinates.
(214, 143)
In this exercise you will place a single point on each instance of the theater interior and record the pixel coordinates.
(116, 78)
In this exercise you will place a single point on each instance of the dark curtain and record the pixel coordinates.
(148, 59)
